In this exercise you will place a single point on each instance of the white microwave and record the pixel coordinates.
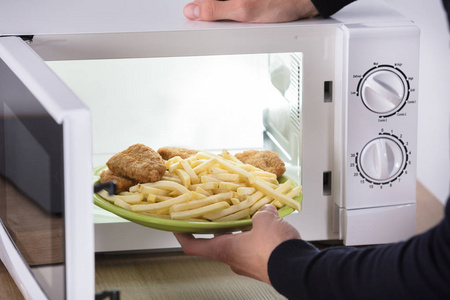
(335, 98)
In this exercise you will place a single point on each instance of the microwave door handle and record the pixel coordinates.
(109, 186)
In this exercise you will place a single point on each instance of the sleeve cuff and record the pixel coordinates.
(327, 8)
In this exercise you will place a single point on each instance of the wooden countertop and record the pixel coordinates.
(173, 275)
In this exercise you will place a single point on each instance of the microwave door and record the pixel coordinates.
(46, 237)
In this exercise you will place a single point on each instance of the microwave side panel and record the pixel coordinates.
(37, 94)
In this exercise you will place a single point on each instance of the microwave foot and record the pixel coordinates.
(111, 295)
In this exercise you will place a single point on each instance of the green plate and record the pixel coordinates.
(178, 225)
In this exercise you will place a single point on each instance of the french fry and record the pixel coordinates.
(202, 191)
(226, 177)
(200, 203)
(174, 167)
(291, 194)
(235, 201)
(153, 207)
(145, 189)
(207, 178)
(202, 167)
(195, 163)
(188, 169)
(217, 170)
(171, 177)
(163, 211)
(184, 177)
(172, 161)
(130, 198)
(105, 195)
(267, 199)
(242, 214)
(245, 191)
(159, 198)
(197, 212)
(151, 198)
(198, 196)
(229, 186)
(232, 168)
(260, 185)
(228, 156)
(228, 211)
(169, 185)
(256, 196)
(247, 176)
(119, 202)
(207, 187)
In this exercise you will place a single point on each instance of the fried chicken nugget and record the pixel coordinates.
(265, 160)
(169, 152)
(138, 162)
(122, 184)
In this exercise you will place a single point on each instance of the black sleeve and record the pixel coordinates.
(446, 4)
(418, 268)
(327, 8)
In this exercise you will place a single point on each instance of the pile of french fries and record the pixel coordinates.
(208, 187)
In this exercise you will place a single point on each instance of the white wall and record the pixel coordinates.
(434, 96)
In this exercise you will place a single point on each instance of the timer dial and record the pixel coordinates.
(383, 90)
(382, 159)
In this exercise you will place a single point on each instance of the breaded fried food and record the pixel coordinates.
(169, 152)
(265, 160)
(122, 184)
(138, 162)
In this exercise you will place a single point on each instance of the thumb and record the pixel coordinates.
(208, 10)
(266, 214)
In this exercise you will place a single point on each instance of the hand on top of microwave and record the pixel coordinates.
(250, 11)
(248, 252)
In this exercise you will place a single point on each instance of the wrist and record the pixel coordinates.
(307, 9)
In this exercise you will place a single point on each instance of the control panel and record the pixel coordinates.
(380, 127)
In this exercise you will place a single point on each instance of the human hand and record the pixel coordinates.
(247, 253)
(251, 11)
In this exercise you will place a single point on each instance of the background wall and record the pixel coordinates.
(434, 97)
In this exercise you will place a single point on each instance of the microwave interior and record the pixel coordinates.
(210, 103)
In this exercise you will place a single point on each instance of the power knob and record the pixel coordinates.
(382, 160)
(383, 90)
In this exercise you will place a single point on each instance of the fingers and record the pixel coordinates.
(209, 10)
(269, 209)
(204, 247)
(265, 215)
(268, 220)
(253, 11)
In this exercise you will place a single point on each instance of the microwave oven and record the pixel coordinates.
(336, 98)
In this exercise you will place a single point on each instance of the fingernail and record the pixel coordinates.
(192, 11)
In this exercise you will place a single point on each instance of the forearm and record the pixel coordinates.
(416, 269)
(327, 8)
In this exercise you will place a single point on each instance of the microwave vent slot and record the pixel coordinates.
(294, 95)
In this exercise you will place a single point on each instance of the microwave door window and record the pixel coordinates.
(31, 181)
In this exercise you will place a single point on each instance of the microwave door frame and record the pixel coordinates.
(67, 110)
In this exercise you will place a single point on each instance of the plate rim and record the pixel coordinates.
(180, 225)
